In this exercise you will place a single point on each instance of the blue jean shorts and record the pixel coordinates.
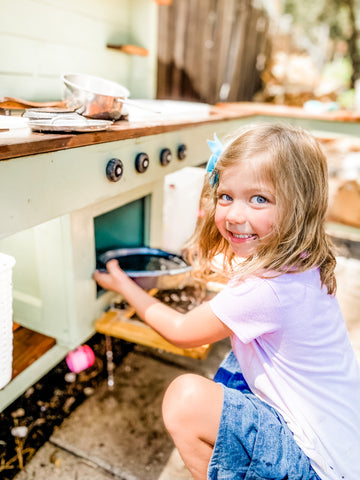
(253, 441)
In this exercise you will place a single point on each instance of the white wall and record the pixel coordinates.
(41, 39)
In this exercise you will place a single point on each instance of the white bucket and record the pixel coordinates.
(6, 336)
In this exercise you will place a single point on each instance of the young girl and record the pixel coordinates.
(286, 401)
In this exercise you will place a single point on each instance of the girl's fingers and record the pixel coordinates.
(113, 266)
(98, 276)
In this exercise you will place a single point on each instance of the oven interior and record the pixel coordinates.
(123, 227)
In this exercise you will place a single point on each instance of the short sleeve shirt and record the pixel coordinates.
(295, 353)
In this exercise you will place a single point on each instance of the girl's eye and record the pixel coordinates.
(225, 198)
(258, 199)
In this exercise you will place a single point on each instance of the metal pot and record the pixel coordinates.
(148, 267)
(99, 98)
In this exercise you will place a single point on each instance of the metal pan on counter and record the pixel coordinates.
(40, 121)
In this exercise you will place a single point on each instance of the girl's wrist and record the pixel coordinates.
(125, 284)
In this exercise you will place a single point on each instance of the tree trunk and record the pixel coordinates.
(352, 43)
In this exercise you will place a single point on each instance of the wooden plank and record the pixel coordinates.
(115, 324)
(28, 346)
(129, 49)
(207, 28)
(162, 55)
(165, 49)
(35, 143)
(193, 52)
(243, 38)
(222, 44)
(181, 15)
(249, 86)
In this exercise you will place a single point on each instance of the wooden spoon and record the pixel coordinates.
(12, 103)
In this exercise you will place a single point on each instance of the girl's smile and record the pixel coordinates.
(240, 238)
(246, 208)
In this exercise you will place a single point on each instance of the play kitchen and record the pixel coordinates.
(68, 198)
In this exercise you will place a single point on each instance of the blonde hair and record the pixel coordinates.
(292, 160)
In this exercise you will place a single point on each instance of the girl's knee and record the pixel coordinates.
(181, 399)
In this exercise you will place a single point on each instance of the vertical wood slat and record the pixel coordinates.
(223, 40)
(251, 55)
(165, 48)
(241, 41)
(242, 79)
(204, 44)
(193, 52)
(180, 25)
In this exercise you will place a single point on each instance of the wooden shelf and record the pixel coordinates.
(129, 49)
(116, 323)
(28, 346)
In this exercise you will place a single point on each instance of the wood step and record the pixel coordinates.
(28, 346)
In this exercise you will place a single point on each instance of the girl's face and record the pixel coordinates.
(246, 208)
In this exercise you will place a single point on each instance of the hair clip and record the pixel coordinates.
(216, 147)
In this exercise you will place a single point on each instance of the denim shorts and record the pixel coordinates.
(253, 441)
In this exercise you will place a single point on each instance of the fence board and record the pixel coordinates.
(208, 50)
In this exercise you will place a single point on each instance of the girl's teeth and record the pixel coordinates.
(236, 235)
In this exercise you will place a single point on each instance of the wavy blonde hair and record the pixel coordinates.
(293, 161)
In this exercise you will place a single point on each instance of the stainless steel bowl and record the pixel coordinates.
(148, 267)
(97, 97)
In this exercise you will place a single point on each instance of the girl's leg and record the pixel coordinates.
(192, 408)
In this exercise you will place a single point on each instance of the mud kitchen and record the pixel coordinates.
(73, 188)
(67, 197)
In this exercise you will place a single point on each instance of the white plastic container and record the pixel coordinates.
(6, 336)
(181, 206)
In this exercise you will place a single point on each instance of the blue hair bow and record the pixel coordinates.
(216, 147)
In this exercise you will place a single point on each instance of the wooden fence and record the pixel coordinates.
(211, 50)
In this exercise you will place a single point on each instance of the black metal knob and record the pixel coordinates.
(141, 162)
(165, 156)
(181, 151)
(114, 169)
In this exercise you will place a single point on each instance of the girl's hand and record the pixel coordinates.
(195, 328)
(114, 279)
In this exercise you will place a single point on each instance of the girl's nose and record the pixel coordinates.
(236, 214)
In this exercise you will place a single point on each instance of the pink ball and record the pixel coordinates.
(80, 359)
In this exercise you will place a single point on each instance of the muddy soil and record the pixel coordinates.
(30, 421)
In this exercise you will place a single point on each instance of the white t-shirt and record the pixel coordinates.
(294, 351)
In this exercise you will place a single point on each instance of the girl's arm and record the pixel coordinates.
(195, 328)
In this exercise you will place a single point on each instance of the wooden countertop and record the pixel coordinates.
(287, 111)
(35, 143)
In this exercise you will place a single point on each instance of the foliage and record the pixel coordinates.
(340, 18)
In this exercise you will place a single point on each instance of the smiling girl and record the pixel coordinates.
(285, 403)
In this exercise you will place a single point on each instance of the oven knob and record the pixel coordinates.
(114, 169)
(181, 152)
(165, 156)
(142, 162)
